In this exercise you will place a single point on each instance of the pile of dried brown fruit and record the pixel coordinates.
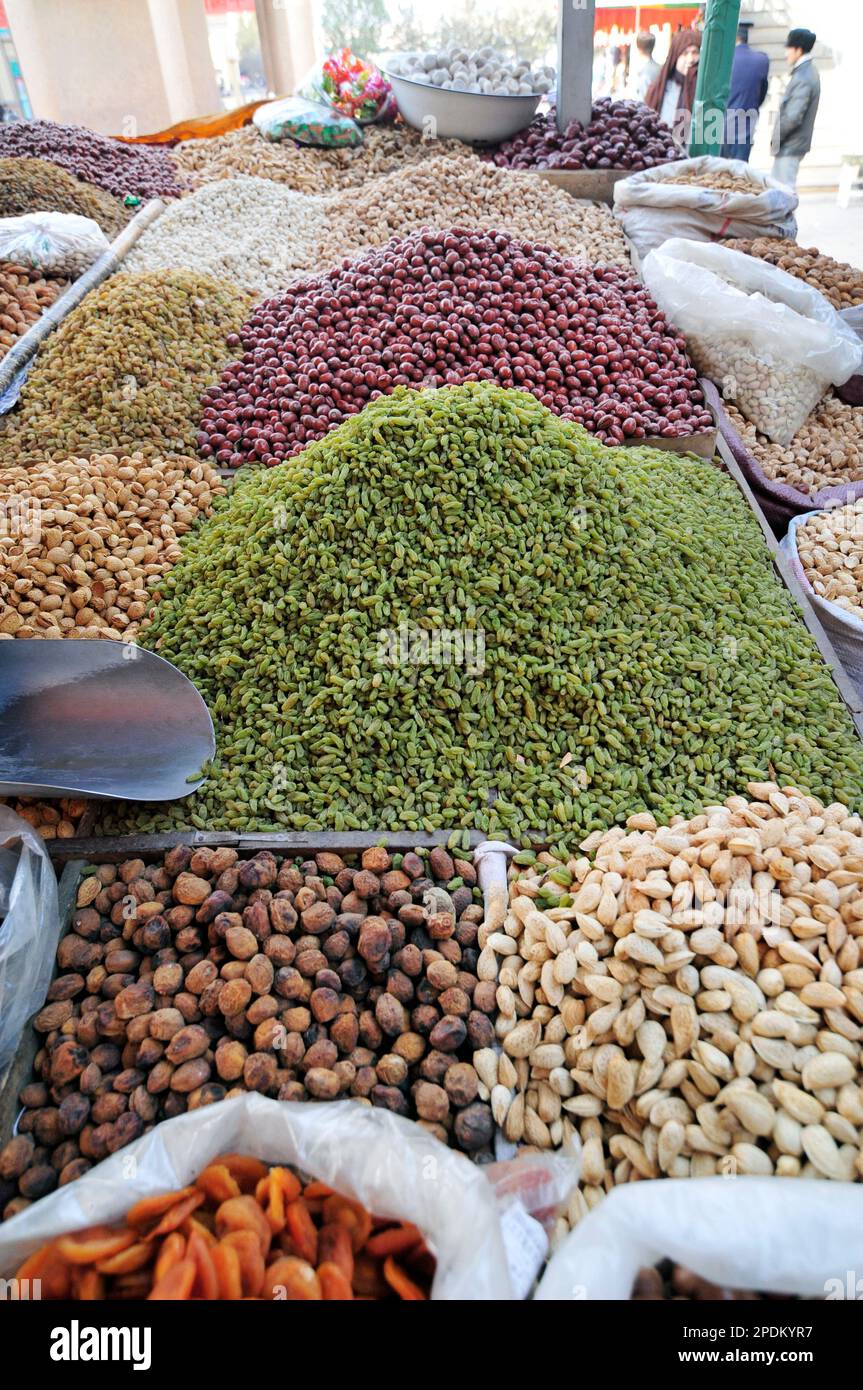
(125, 371)
(34, 185)
(53, 820)
(688, 997)
(203, 976)
(240, 1230)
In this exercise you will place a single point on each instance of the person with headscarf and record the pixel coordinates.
(673, 91)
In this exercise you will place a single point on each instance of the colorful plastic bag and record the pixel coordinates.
(353, 86)
(307, 122)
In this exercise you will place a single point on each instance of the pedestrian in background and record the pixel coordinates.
(645, 75)
(749, 81)
(796, 124)
(673, 91)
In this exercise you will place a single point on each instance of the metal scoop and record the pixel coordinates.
(98, 719)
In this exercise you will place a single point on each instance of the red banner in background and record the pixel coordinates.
(221, 6)
(4, 23)
(625, 18)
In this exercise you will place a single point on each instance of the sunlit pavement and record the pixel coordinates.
(836, 231)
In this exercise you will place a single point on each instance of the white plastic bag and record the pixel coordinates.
(60, 243)
(772, 1235)
(770, 342)
(844, 629)
(653, 208)
(389, 1164)
(29, 928)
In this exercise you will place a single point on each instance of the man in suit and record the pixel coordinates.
(746, 96)
(793, 135)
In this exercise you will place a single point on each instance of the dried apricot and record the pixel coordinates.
(149, 1209)
(88, 1285)
(53, 1273)
(226, 1262)
(96, 1243)
(176, 1215)
(194, 1224)
(128, 1260)
(244, 1214)
(350, 1214)
(177, 1284)
(35, 1264)
(206, 1283)
(171, 1252)
(399, 1280)
(334, 1247)
(334, 1285)
(394, 1241)
(131, 1286)
(283, 1187)
(291, 1279)
(217, 1183)
(247, 1172)
(248, 1249)
(317, 1189)
(369, 1278)
(302, 1231)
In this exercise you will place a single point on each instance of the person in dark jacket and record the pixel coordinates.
(749, 74)
(796, 124)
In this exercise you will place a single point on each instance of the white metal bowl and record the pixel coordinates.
(441, 113)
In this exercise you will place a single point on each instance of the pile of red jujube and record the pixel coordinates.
(120, 169)
(439, 309)
(621, 135)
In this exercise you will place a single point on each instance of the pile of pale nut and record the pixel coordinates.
(696, 1007)
(830, 546)
(826, 451)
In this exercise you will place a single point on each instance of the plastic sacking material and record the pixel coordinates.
(771, 343)
(652, 207)
(389, 1164)
(58, 243)
(29, 928)
(738, 1232)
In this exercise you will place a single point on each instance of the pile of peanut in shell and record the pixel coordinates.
(830, 546)
(25, 294)
(88, 539)
(826, 451)
(840, 283)
(719, 180)
(687, 998)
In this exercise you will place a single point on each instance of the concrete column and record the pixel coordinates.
(286, 29)
(180, 33)
(574, 61)
(122, 67)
